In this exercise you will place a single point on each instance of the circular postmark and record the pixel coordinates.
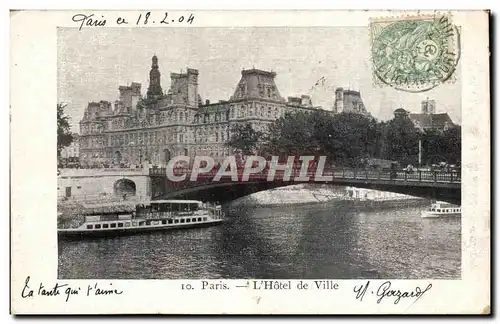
(415, 55)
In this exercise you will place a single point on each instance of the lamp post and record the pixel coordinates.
(419, 153)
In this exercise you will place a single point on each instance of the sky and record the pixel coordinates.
(93, 63)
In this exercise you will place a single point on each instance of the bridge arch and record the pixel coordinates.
(124, 187)
(222, 192)
(435, 185)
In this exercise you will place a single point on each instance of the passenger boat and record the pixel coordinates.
(153, 216)
(441, 209)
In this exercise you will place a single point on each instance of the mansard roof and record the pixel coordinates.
(255, 83)
(432, 120)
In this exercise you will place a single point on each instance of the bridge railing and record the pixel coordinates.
(336, 173)
(415, 176)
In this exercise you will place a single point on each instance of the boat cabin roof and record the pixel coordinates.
(107, 210)
(444, 205)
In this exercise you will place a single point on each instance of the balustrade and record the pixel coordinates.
(336, 173)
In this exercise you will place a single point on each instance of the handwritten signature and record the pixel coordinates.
(59, 289)
(385, 291)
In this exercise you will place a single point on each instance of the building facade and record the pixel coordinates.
(428, 119)
(135, 130)
(349, 101)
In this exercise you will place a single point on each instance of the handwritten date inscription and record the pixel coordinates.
(141, 19)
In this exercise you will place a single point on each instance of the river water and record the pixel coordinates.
(310, 242)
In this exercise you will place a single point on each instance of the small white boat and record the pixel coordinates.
(153, 216)
(441, 209)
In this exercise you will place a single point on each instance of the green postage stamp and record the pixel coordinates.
(414, 54)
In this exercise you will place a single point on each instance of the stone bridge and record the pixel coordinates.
(445, 186)
(143, 184)
(98, 185)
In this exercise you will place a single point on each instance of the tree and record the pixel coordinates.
(64, 136)
(448, 146)
(345, 138)
(380, 139)
(401, 141)
(450, 143)
(431, 154)
(348, 138)
(443, 146)
(244, 138)
(294, 134)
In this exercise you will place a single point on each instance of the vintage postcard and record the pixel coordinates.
(250, 162)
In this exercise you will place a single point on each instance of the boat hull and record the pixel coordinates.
(427, 214)
(82, 233)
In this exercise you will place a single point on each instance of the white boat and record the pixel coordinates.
(441, 209)
(367, 195)
(152, 216)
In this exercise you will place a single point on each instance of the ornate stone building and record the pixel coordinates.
(428, 119)
(154, 128)
(349, 101)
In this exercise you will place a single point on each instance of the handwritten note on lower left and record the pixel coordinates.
(65, 290)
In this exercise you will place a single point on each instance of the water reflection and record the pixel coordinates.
(311, 242)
